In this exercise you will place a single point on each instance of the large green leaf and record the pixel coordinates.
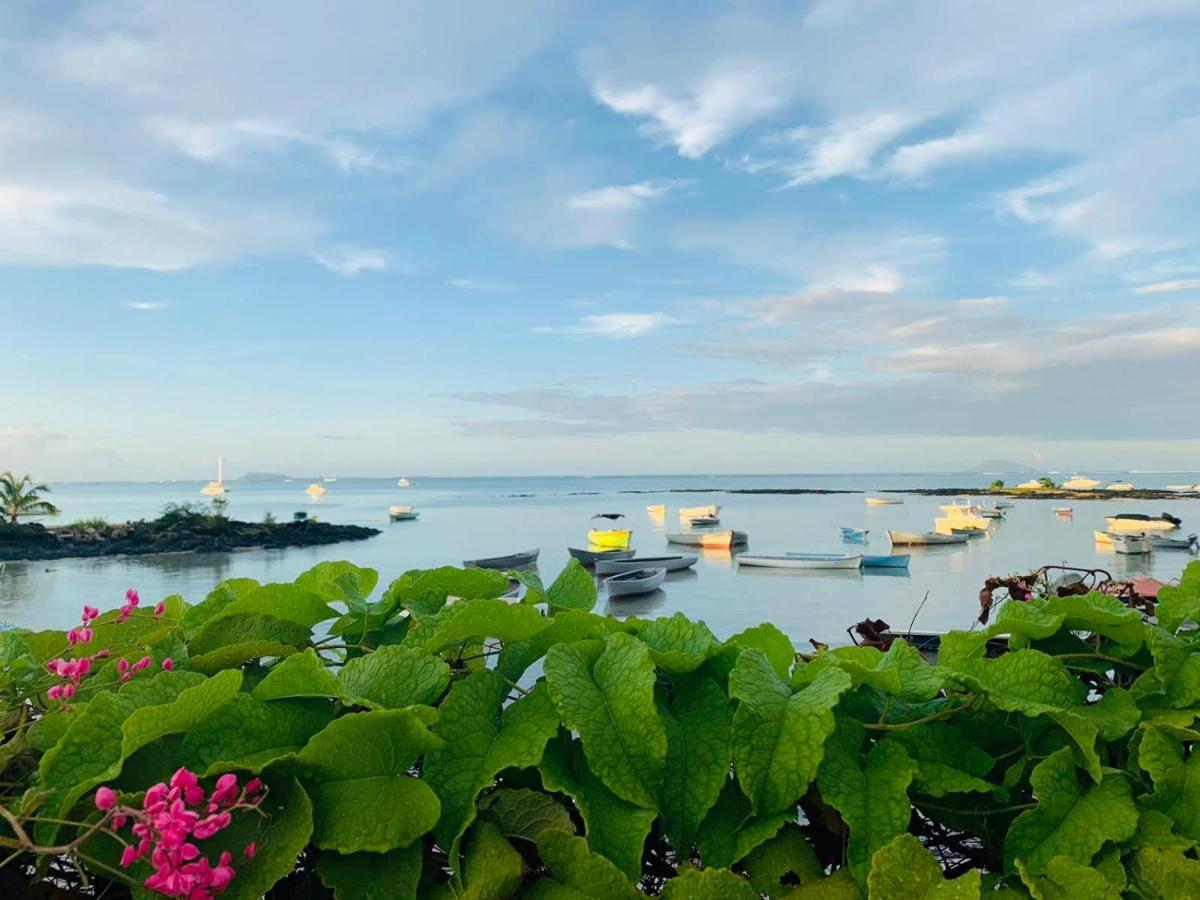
(1165, 874)
(372, 876)
(869, 789)
(301, 675)
(709, 884)
(574, 588)
(224, 594)
(1024, 681)
(772, 643)
(1178, 603)
(1066, 879)
(481, 738)
(698, 720)
(838, 886)
(615, 828)
(1176, 776)
(948, 762)
(340, 582)
(394, 677)
(290, 602)
(731, 831)
(229, 641)
(525, 813)
(1176, 667)
(424, 592)
(901, 672)
(904, 869)
(493, 869)
(566, 627)
(248, 733)
(1069, 820)
(357, 772)
(677, 644)
(1101, 614)
(575, 871)
(477, 619)
(605, 692)
(779, 736)
(777, 865)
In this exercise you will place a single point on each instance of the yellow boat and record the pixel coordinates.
(883, 501)
(1136, 522)
(314, 490)
(949, 524)
(1080, 483)
(658, 510)
(610, 539)
(1102, 537)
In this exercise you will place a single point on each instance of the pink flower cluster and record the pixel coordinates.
(171, 818)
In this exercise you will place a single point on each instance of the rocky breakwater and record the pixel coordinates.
(192, 533)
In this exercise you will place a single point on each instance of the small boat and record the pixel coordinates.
(703, 521)
(512, 561)
(657, 510)
(638, 581)
(883, 501)
(215, 488)
(802, 560)
(609, 538)
(1119, 486)
(1131, 544)
(591, 557)
(315, 490)
(908, 539)
(992, 513)
(1062, 510)
(1102, 537)
(691, 512)
(1181, 487)
(1080, 483)
(969, 533)
(951, 524)
(1142, 522)
(1173, 543)
(892, 561)
(960, 509)
(850, 533)
(610, 565)
(329, 480)
(715, 539)
(403, 482)
(402, 513)
(1003, 504)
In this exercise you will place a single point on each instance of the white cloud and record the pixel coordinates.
(352, 261)
(845, 147)
(619, 198)
(146, 305)
(481, 284)
(613, 325)
(555, 215)
(1165, 287)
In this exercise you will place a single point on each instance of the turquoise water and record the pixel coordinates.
(464, 518)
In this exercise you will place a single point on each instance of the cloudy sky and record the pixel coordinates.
(541, 237)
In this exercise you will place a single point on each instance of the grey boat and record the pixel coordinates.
(639, 581)
(591, 557)
(512, 561)
(672, 563)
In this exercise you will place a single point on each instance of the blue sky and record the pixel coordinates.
(522, 238)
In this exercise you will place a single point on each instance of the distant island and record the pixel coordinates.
(999, 467)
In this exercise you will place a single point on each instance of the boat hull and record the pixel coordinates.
(1116, 523)
(857, 535)
(1173, 543)
(403, 517)
(512, 561)
(883, 501)
(712, 539)
(952, 524)
(614, 539)
(908, 539)
(692, 512)
(633, 583)
(894, 561)
(591, 557)
(802, 561)
(613, 566)
(1130, 544)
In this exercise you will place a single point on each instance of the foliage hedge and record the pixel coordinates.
(438, 740)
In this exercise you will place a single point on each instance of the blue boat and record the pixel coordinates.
(895, 561)
(853, 534)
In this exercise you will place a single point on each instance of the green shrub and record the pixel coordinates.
(485, 748)
(96, 523)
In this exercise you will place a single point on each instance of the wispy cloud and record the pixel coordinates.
(481, 284)
(351, 261)
(146, 305)
(1167, 287)
(613, 325)
(605, 216)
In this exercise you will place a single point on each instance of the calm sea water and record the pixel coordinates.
(465, 518)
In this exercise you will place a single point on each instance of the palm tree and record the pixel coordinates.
(21, 497)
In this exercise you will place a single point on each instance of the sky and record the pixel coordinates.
(554, 238)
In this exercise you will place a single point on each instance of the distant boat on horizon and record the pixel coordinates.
(215, 488)
(314, 490)
(403, 482)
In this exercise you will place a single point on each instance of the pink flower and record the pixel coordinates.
(129, 856)
(55, 692)
(106, 799)
(104, 654)
(251, 849)
(253, 786)
(122, 666)
(89, 613)
(68, 691)
(131, 597)
(141, 664)
(226, 791)
(168, 664)
(160, 609)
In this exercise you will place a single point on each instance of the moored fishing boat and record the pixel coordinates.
(891, 561)
(691, 512)
(909, 539)
(609, 538)
(850, 533)
(712, 539)
(402, 513)
(1119, 486)
(403, 482)
(1166, 542)
(1003, 504)
(883, 501)
(592, 556)
(637, 581)
(1102, 537)
(315, 490)
(1142, 522)
(960, 509)
(672, 563)
(1131, 544)
(703, 521)
(951, 524)
(511, 561)
(802, 560)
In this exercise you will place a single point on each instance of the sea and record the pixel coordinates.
(467, 518)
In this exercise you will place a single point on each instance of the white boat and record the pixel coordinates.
(960, 509)
(215, 488)
(672, 563)
(1131, 544)
(315, 490)
(951, 524)
(638, 581)
(403, 482)
(512, 561)
(591, 557)
(883, 501)
(402, 513)
(909, 539)
(692, 512)
(802, 560)
(1119, 486)
(1162, 541)
(329, 480)
(1080, 483)
(1062, 510)
(1141, 522)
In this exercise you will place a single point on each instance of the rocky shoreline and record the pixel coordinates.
(1051, 494)
(204, 535)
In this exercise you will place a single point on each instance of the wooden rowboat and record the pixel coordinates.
(714, 539)
(802, 560)
(1164, 542)
(674, 563)
(850, 533)
(512, 561)
(907, 538)
(591, 557)
(638, 581)
(402, 513)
